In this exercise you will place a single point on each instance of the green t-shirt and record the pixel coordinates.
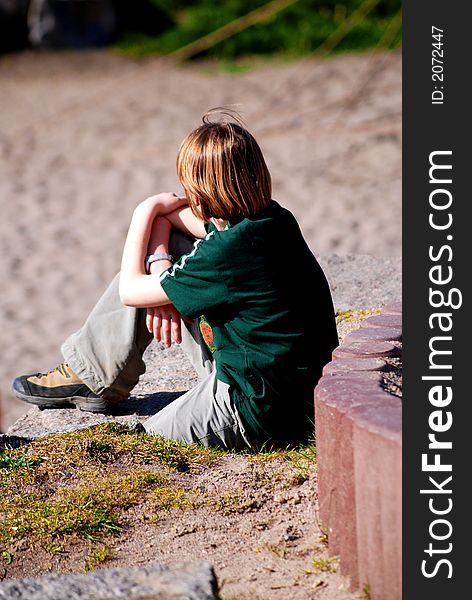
(270, 309)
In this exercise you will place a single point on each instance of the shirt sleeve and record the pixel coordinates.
(196, 283)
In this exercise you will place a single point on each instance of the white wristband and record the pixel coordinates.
(153, 258)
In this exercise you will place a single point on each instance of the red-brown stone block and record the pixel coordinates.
(378, 334)
(335, 398)
(378, 491)
(353, 378)
(382, 320)
(345, 365)
(366, 350)
(358, 438)
(347, 387)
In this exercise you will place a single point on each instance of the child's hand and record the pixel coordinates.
(165, 203)
(164, 323)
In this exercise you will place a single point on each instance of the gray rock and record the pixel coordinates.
(362, 281)
(189, 581)
(39, 423)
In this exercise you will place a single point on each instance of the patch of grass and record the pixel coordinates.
(358, 314)
(54, 548)
(99, 450)
(230, 503)
(279, 551)
(324, 537)
(78, 515)
(16, 462)
(366, 591)
(300, 460)
(111, 442)
(80, 484)
(342, 315)
(325, 565)
(69, 493)
(350, 320)
(97, 557)
(264, 454)
(293, 455)
(89, 509)
(166, 498)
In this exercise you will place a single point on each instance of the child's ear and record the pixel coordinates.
(195, 206)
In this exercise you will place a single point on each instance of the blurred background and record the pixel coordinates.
(96, 96)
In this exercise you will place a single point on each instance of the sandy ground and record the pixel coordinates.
(85, 137)
(255, 520)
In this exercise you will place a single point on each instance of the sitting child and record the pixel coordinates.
(257, 315)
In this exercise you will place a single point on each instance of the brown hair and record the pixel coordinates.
(221, 164)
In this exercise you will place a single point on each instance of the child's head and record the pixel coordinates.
(222, 170)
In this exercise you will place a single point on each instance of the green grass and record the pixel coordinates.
(110, 442)
(295, 31)
(325, 565)
(355, 314)
(58, 518)
(165, 498)
(58, 487)
(81, 484)
(299, 460)
(16, 463)
(96, 557)
(324, 537)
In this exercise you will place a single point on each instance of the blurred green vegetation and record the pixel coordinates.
(294, 31)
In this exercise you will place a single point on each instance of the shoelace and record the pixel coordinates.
(61, 369)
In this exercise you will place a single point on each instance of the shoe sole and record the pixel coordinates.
(94, 405)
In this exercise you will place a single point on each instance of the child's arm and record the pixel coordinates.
(184, 220)
(162, 321)
(136, 287)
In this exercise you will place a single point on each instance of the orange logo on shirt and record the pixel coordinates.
(207, 333)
